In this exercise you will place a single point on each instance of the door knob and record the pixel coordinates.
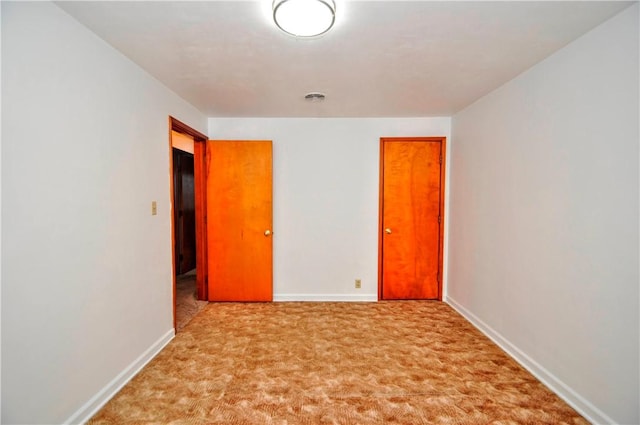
(267, 232)
(387, 231)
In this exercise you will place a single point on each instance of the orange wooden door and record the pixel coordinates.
(239, 219)
(410, 225)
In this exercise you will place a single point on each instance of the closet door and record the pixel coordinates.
(239, 220)
(411, 218)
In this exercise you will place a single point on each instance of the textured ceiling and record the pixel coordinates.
(382, 59)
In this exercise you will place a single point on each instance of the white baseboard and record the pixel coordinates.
(565, 392)
(96, 402)
(326, 297)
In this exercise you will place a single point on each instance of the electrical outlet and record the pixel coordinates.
(358, 283)
(154, 208)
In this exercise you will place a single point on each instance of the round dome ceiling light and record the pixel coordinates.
(304, 18)
(314, 97)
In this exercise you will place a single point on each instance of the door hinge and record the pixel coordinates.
(440, 158)
(439, 219)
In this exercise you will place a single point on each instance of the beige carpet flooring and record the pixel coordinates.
(407, 362)
(187, 305)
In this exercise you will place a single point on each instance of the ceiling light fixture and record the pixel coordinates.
(304, 18)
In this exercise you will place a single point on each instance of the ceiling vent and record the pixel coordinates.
(314, 97)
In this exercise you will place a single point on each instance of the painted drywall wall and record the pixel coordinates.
(0, 228)
(544, 218)
(86, 268)
(326, 189)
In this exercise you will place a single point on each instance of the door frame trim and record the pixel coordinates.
(199, 141)
(443, 152)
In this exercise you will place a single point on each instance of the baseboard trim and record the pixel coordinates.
(564, 391)
(326, 297)
(96, 402)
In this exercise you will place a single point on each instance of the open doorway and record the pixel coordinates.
(184, 250)
(184, 213)
(186, 232)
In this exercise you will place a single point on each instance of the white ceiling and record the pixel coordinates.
(382, 58)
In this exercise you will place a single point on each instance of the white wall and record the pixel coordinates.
(0, 226)
(86, 269)
(544, 219)
(326, 183)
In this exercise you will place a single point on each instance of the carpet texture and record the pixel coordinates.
(401, 362)
(187, 303)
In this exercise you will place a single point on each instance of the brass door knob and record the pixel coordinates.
(267, 232)
(387, 231)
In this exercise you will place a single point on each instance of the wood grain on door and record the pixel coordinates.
(411, 216)
(239, 220)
